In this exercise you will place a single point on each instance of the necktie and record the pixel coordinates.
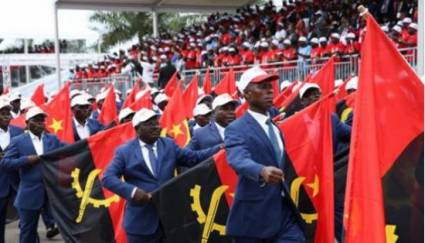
(274, 140)
(153, 159)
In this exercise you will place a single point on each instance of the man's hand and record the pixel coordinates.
(272, 175)
(141, 197)
(33, 159)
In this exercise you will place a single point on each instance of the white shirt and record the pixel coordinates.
(262, 119)
(82, 130)
(37, 143)
(145, 154)
(148, 70)
(14, 115)
(4, 138)
(220, 130)
(196, 127)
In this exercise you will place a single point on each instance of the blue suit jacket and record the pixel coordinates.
(128, 162)
(9, 180)
(205, 137)
(341, 134)
(257, 208)
(31, 193)
(94, 127)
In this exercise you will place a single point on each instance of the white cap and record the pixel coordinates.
(306, 87)
(351, 35)
(397, 29)
(34, 111)
(385, 28)
(407, 20)
(14, 96)
(254, 75)
(142, 116)
(141, 93)
(302, 39)
(163, 57)
(352, 83)
(4, 103)
(201, 109)
(222, 100)
(202, 97)
(275, 42)
(413, 26)
(264, 44)
(124, 113)
(285, 84)
(338, 82)
(160, 98)
(74, 92)
(314, 40)
(101, 96)
(79, 100)
(117, 91)
(323, 39)
(27, 103)
(87, 96)
(246, 44)
(287, 42)
(335, 35)
(128, 91)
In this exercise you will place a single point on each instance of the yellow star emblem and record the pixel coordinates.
(56, 125)
(176, 130)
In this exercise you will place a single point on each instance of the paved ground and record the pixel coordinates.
(12, 234)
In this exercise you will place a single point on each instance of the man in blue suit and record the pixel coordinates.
(211, 135)
(83, 125)
(23, 154)
(9, 180)
(262, 210)
(201, 117)
(145, 163)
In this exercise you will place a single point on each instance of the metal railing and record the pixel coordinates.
(294, 70)
(122, 82)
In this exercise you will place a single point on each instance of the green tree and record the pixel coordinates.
(123, 26)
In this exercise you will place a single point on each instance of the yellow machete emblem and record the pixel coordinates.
(85, 195)
(208, 219)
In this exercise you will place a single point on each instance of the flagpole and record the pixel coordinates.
(57, 51)
(421, 40)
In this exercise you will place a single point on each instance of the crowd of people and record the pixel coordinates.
(298, 31)
(254, 144)
(44, 48)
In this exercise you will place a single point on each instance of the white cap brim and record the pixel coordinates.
(142, 116)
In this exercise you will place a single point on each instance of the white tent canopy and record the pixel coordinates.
(155, 5)
(30, 19)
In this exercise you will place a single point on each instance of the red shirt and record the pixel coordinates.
(247, 57)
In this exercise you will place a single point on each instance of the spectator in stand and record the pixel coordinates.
(165, 74)
(148, 69)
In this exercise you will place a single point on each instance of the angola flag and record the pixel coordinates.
(308, 145)
(190, 95)
(227, 84)
(83, 209)
(59, 116)
(173, 120)
(384, 195)
(109, 113)
(171, 85)
(38, 95)
(207, 86)
(204, 196)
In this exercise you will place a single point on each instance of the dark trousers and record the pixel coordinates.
(157, 237)
(3, 212)
(28, 225)
(289, 232)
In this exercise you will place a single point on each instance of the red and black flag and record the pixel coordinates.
(384, 195)
(308, 145)
(83, 209)
(227, 84)
(204, 195)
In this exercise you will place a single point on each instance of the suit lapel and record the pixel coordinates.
(28, 142)
(258, 130)
(160, 148)
(138, 157)
(214, 130)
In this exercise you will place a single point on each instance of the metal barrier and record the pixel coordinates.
(294, 70)
(122, 82)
